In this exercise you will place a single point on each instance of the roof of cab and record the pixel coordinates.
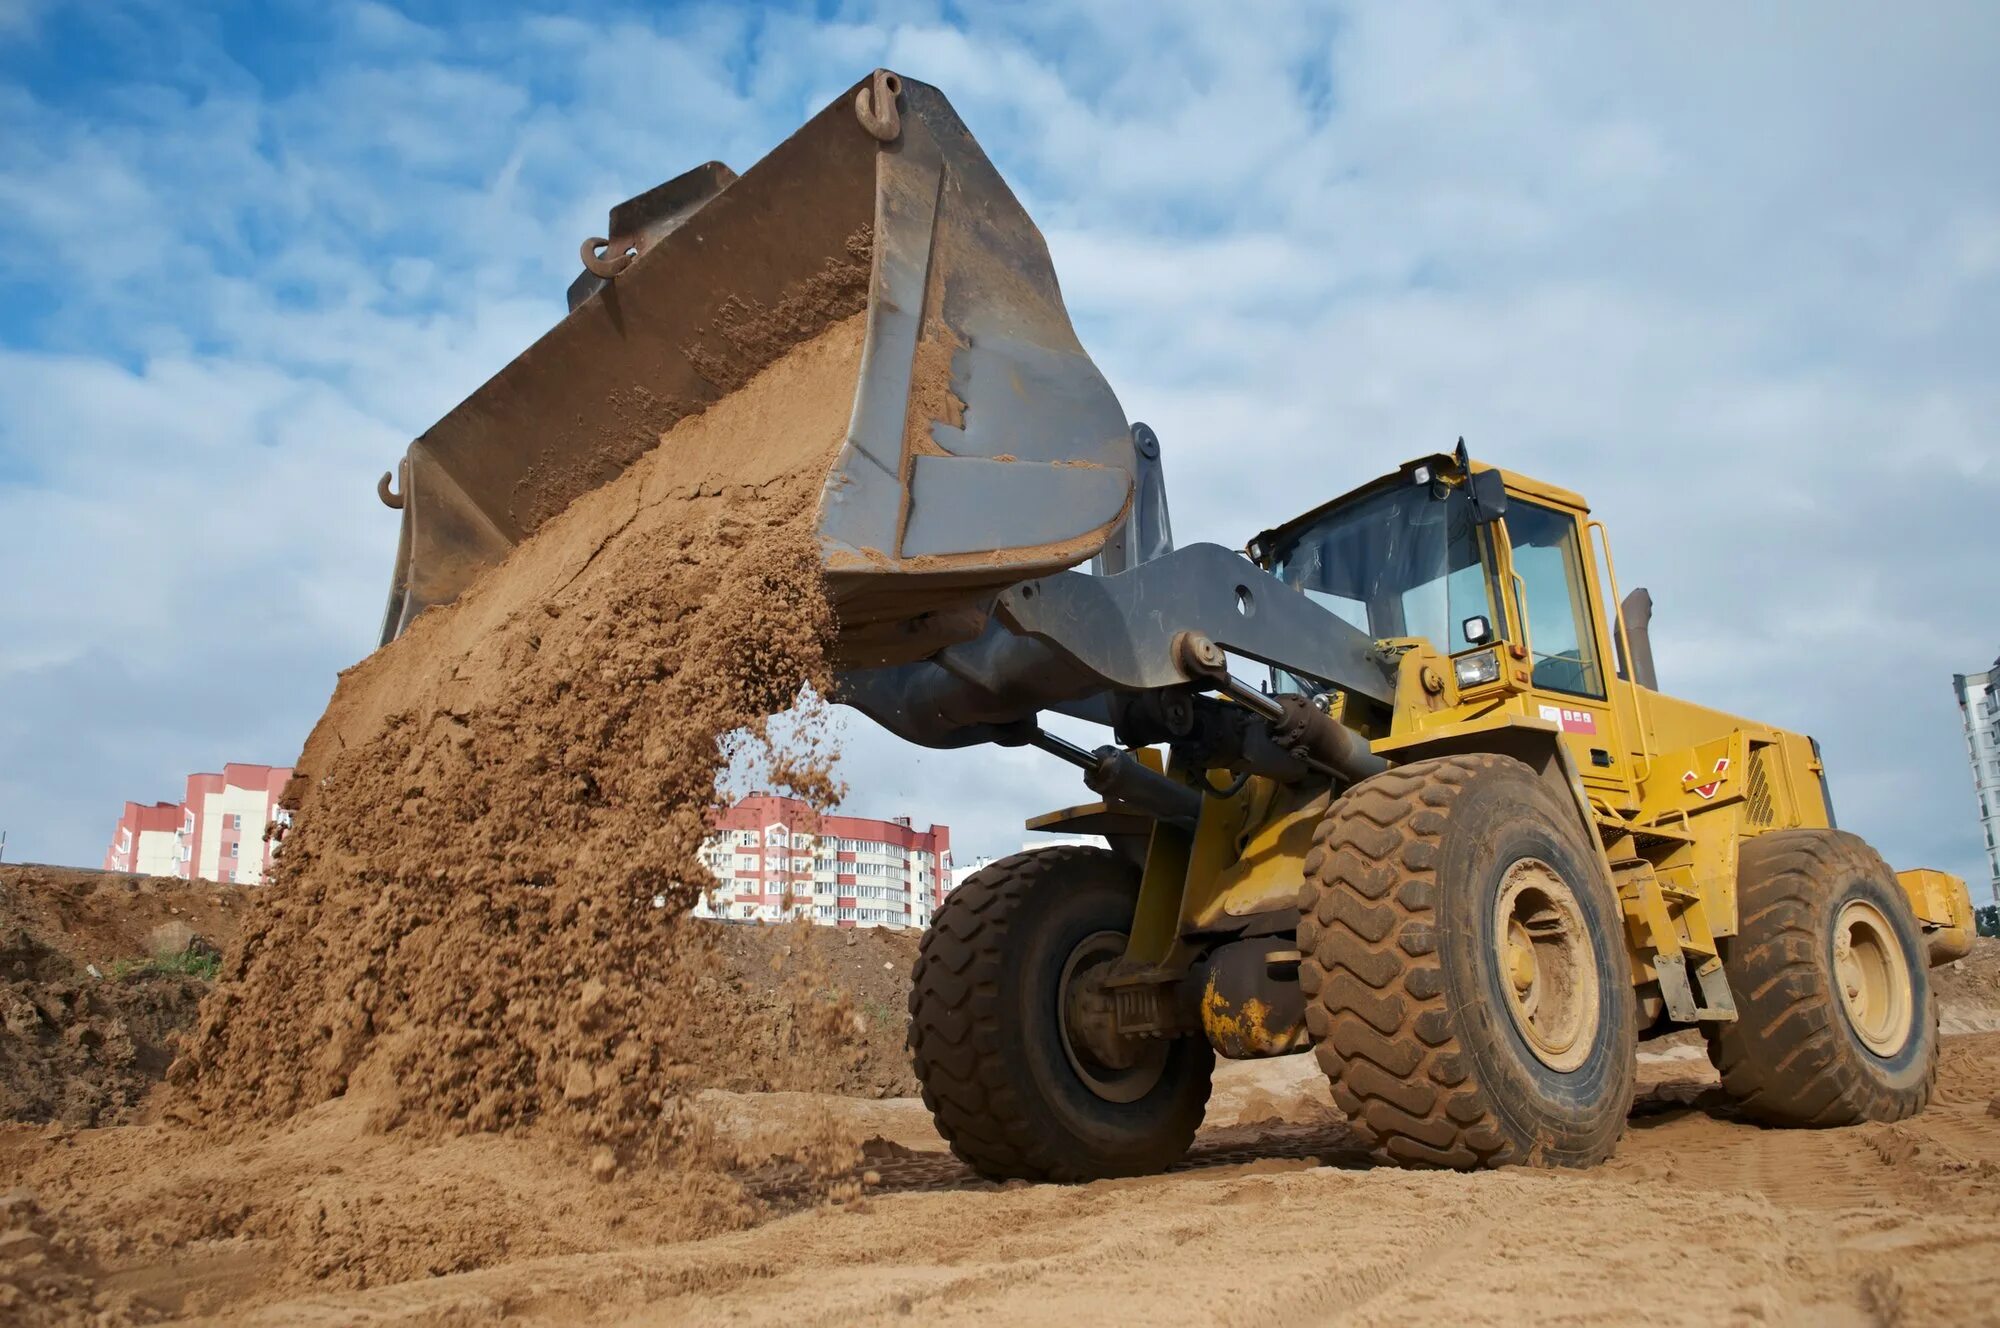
(1525, 485)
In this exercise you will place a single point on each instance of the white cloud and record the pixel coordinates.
(1728, 272)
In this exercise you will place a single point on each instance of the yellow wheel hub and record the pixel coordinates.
(1520, 958)
(1547, 965)
(1873, 977)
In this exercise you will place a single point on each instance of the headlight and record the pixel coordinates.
(1477, 670)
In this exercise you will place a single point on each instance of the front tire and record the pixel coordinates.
(1008, 1036)
(1836, 1021)
(1468, 989)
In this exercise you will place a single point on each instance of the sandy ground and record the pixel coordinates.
(1277, 1217)
(1698, 1220)
(325, 1219)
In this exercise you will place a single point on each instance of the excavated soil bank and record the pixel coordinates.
(98, 975)
(868, 972)
(80, 1050)
(99, 917)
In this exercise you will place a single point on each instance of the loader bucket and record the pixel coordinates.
(983, 448)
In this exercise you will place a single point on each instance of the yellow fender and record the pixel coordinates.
(1944, 908)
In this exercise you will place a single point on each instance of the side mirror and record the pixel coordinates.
(1489, 496)
(1476, 630)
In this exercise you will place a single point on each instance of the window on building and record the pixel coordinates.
(232, 849)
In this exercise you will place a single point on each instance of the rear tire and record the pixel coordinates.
(1468, 989)
(1824, 1037)
(1013, 1092)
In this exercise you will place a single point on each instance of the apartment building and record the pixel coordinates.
(147, 839)
(1979, 705)
(774, 857)
(216, 832)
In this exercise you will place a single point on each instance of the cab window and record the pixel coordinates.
(1404, 560)
(1561, 632)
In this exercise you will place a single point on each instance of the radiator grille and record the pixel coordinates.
(1757, 796)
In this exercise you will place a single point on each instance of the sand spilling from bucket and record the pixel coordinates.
(479, 919)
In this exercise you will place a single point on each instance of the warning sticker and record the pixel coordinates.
(1569, 720)
(1708, 790)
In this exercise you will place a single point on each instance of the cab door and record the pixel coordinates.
(1553, 585)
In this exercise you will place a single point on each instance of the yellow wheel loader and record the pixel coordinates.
(1394, 784)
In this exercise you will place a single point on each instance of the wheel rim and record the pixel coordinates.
(1546, 963)
(1873, 976)
(1115, 1068)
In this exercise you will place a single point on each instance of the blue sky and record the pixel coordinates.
(1731, 272)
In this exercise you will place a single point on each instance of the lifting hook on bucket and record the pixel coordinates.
(875, 106)
(617, 255)
(382, 490)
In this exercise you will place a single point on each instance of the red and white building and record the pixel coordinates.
(774, 857)
(147, 840)
(215, 833)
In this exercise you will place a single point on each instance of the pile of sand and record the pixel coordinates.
(478, 918)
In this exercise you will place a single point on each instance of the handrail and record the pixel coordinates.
(1645, 734)
(1521, 606)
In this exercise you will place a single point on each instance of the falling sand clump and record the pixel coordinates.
(479, 919)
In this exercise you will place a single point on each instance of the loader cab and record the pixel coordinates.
(1495, 571)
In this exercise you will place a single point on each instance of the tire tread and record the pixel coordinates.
(959, 1029)
(1785, 1060)
(1373, 977)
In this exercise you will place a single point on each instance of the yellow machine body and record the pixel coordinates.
(1669, 789)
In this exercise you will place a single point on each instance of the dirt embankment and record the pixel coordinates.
(95, 917)
(1969, 990)
(150, 1219)
(99, 973)
(868, 973)
(80, 1049)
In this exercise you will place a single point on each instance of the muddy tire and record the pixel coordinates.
(1446, 1044)
(1836, 1020)
(1014, 1092)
